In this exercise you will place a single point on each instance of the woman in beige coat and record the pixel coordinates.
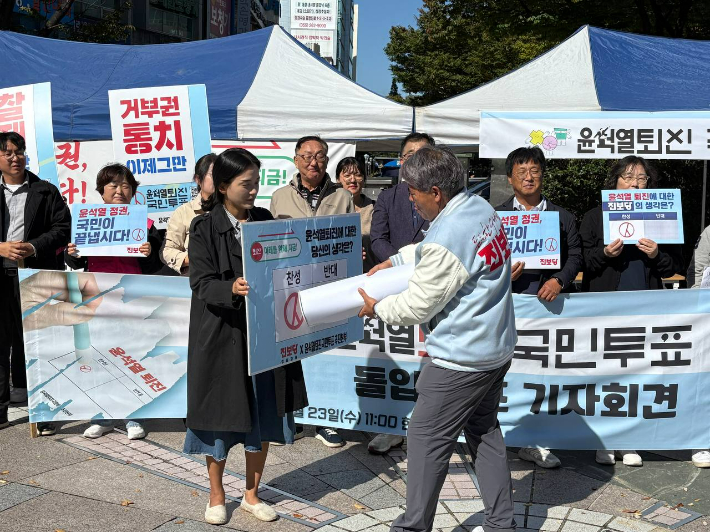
(174, 250)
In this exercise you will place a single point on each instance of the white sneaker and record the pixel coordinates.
(261, 511)
(96, 431)
(216, 515)
(701, 458)
(135, 432)
(630, 458)
(477, 529)
(605, 457)
(18, 395)
(382, 443)
(542, 457)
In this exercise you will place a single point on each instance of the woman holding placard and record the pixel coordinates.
(117, 186)
(225, 406)
(619, 267)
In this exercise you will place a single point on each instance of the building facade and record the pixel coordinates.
(328, 27)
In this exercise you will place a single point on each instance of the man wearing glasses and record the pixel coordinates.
(36, 226)
(525, 168)
(312, 193)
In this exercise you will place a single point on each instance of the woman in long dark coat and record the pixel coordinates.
(225, 406)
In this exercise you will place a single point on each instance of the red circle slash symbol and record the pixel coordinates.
(138, 234)
(85, 368)
(551, 244)
(257, 251)
(626, 229)
(292, 314)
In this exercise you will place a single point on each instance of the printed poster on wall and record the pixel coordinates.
(533, 238)
(79, 162)
(283, 257)
(159, 132)
(27, 110)
(109, 230)
(314, 15)
(597, 134)
(656, 214)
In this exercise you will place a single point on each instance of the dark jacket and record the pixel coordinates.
(150, 265)
(602, 273)
(570, 246)
(47, 223)
(218, 384)
(392, 227)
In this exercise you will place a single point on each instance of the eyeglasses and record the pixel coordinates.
(641, 179)
(320, 157)
(352, 177)
(11, 155)
(534, 173)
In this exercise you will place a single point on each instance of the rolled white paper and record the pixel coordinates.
(340, 300)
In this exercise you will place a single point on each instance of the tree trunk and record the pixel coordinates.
(58, 15)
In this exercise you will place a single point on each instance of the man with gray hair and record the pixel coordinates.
(460, 293)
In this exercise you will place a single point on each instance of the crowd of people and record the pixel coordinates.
(427, 218)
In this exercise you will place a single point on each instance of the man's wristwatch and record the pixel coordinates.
(562, 284)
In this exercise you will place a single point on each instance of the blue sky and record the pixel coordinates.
(376, 17)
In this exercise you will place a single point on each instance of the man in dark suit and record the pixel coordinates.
(525, 168)
(395, 224)
(35, 224)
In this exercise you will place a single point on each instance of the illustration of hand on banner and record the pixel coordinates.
(46, 300)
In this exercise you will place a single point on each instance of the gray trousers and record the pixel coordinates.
(448, 402)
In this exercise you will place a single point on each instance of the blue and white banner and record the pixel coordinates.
(533, 238)
(656, 214)
(109, 230)
(283, 257)
(160, 132)
(618, 370)
(27, 110)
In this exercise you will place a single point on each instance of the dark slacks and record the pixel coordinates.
(448, 402)
(10, 338)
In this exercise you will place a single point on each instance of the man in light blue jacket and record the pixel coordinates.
(460, 293)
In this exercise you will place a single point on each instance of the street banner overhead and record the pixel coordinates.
(160, 132)
(109, 230)
(283, 257)
(598, 135)
(617, 370)
(27, 110)
(533, 238)
(656, 214)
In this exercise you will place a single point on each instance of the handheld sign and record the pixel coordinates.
(656, 214)
(159, 132)
(283, 257)
(109, 230)
(533, 238)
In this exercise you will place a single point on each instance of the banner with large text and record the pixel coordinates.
(79, 162)
(597, 134)
(621, 370)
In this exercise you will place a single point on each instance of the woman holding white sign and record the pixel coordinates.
(619, 267)
(225, 406)
(117, 186)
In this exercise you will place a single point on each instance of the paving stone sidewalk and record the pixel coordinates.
(66, 482)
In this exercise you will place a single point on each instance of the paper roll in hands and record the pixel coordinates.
(340, 300)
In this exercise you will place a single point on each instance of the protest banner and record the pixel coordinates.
(283, 257)
(597, 134)
(79, 162)
(27, 110)
(109, 230)
(314, 15)
(633, 214)
(159, 132)
(617, 370)
(533, 238)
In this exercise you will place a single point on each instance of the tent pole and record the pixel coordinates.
(705, 184)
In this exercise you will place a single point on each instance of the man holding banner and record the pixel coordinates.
(35, 226)
(525, 168)
(467, 312)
